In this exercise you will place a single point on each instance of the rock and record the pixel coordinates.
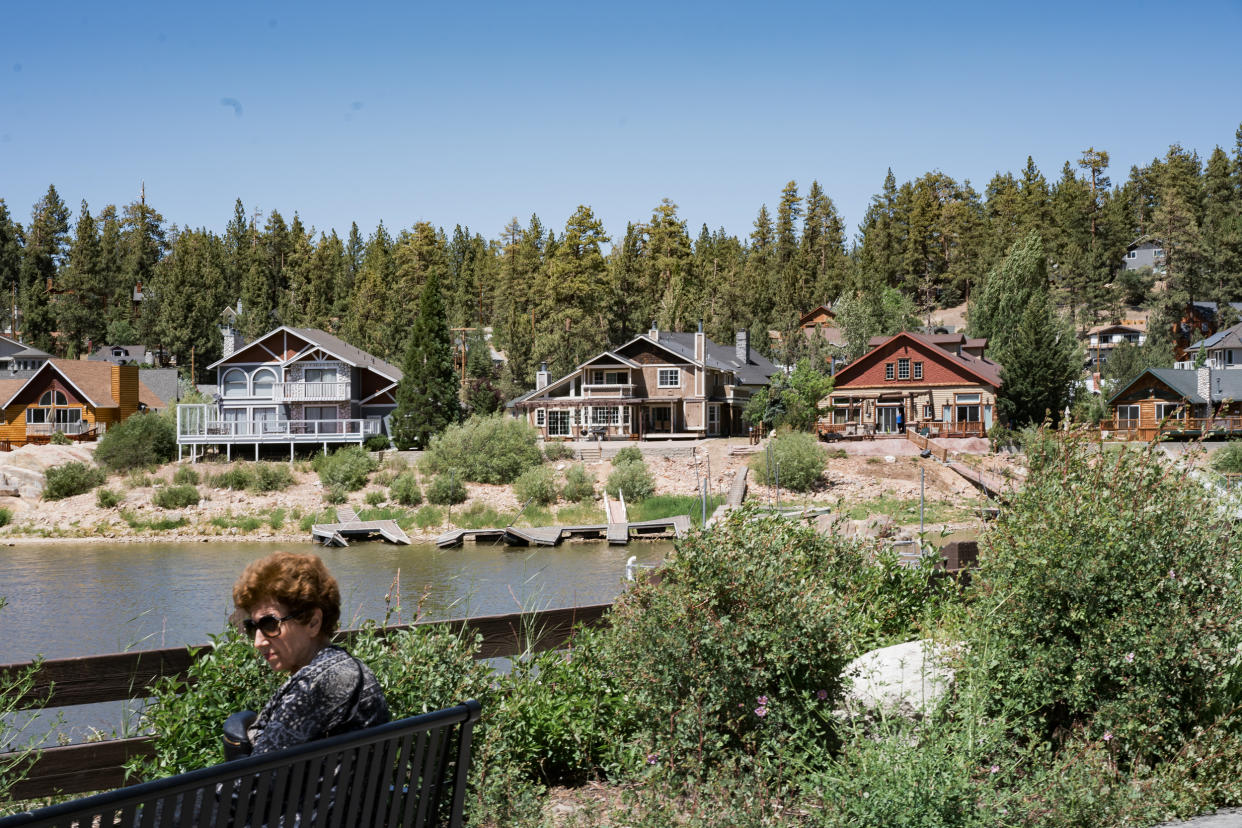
(888, 458)
(174, 516)
(881, 526)
(905, 679)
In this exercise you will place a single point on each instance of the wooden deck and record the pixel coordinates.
(349, 526)
(678, 525)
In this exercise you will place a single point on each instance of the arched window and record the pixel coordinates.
(235, 383)
(264, 379)
(53, 397)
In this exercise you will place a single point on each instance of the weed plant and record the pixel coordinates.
(537, 485)
(175, 497)
(375, 497)
(159, 524)
(186, 476)
(246, 523)
(71, 479)
(663, 506)
(479, 516)
(630, 475)
(797, 460)
(428, 516)
(557, 451)
(579, 484)
(108, 498)
(491, 449)
(347, 468)
(405, 489)
(6, 516)
(446, 490)
(142, 441)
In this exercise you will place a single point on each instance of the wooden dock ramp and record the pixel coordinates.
(349, 526)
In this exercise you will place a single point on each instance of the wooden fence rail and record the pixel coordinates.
(93, 766)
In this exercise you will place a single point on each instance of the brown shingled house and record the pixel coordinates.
(77, 398)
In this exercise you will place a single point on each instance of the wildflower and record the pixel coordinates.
(1129, 657)
(761, 712)
(1108, 735)
(994, 769)
(653, 758)
(821, 694)
(763, 701)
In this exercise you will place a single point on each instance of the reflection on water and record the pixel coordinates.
(76, 600)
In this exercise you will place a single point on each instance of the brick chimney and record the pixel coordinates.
(741, 347)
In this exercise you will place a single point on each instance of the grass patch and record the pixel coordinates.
(579, 513)
(140, 524)
(907, 510)
(428, 516)
(403, 517)
(480, 516)
(663, 506)
(246, 523)
(307, 521)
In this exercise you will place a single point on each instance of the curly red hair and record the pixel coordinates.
(300, 582)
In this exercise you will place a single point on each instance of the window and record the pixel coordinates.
(324, 414)
(968, 414)
(918, 370)
(608, 377)
(670, 378)
(319, 375)
(1127, 416)
(1171, 410)
(888, 370)
(558, 422)
(967, 398)
(929, 411)
(263, 382)
(605, 415)
(235, 383)
(36, 415)
(539, 418)
(1132, 255)
(903, 369)
(53, 398)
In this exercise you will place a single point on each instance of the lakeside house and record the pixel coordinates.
(941, 382)
(77, 398)
(19, 360)
(1179, 402)
(289, 387)
(660, 384)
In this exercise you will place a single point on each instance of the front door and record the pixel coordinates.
(662, 418)
(886, 419)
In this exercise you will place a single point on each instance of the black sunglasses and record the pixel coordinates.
(269, 624)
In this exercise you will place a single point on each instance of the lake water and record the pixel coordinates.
(68, 600)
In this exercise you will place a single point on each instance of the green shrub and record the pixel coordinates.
(237, 477)
(405, 489)
(335, 495)
(492, 449)
(107, 498)
(138, 479)
(276, 519)
(1228, 459)
(633, 478)
(479, 516)
(6, 516)
(246, 523)
(71, 479)
(579, 484)
(377, 442)
(175, 497)
(374, 497)
(1097, 612)
(153, 524)
(629, 454)
(185, 476)
(557, 451)
(798, 461)
(446, 490)
(141, 441)
(271, 477)
(59, 439)
(428, 516)
(537, 484)
(346, 468)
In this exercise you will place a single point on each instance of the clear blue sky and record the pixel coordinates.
(473, 113)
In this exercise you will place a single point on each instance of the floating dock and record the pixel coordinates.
(348, 527)
(678, 525)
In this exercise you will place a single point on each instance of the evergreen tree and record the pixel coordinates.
(82, 291)
(10, 257)
(417, 253)
(667, 261)
(325, 279)
(786, 289)
(1128, 361)
(46, 244)
(355, 248)
(294, 301)
(824, 265)
(1040, 362)
(521, 263)
(571, 324)
(1222, 227)
(1008, 290)
(879, 254)
(427, 393)
(630, 314)
(185, 294)
(481, 393)
(721, 260)
(760, 262)
(143, 243)
(369, 323)
(119, 314)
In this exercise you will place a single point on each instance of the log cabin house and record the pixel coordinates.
(1177, 402)
(77, 398)
(941, 382)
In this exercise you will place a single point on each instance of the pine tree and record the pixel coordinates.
(760, 263)
(879, 254)
(46, 244)
(143, 243)
(325, 279)
(630, 314)
(787, 293)
(1040, 361)
(427, 393)
(10, 257)
(1007, 291)
(571, 324)
(119, 314)
(368, 323)
(824, 265)
(522, 262)
(82, 291)
(1222, 227)
(667, 260)
(417, 254)
(186, 291)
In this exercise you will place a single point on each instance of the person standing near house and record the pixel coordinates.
(901, 420)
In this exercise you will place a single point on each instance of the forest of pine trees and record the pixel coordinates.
(559, 295)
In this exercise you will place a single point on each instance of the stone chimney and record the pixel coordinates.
(741, 347)
(1203, 383)
(541, 377)
(700, 344)
(654, 333)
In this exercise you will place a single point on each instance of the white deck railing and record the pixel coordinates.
(201, 424)
(310, 391)
(80, 427)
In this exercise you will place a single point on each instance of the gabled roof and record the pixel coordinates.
(815, 311)
(629, 363)
(1225, 385)
(91, 380)
(1116, 327)
(1220, 339)
(981, 368)
(337, 347)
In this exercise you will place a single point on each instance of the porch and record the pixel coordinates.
(201, 425)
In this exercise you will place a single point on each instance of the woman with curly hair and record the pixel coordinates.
(290, 605)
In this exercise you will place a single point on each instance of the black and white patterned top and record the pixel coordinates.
(336, 693)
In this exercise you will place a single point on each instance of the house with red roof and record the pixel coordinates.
(942, 382)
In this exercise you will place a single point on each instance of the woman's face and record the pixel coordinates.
(294, 643)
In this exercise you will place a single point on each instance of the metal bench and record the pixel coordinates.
(409, 773)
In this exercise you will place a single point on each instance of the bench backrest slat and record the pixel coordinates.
(367, 778)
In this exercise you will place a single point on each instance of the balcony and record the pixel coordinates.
(201, 424)
(292, 392)
(48, 429)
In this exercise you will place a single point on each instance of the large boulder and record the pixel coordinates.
(905, 680)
